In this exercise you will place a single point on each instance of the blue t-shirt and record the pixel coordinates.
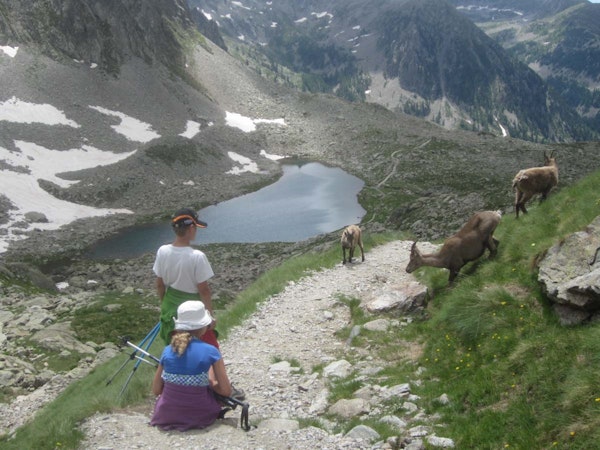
(192, 367)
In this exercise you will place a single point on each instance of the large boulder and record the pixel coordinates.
(570, 276)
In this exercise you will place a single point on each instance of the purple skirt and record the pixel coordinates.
(185, 407)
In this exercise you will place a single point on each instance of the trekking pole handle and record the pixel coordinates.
(143, 351)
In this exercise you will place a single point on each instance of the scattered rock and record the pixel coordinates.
(570, 276)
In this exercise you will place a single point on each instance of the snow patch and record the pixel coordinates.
(10, 51)
(247, 164)
(246, 124)
(132, 129)
(191, 129)
(15, 110)
(270, 156)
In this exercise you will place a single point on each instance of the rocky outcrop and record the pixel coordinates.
(570, 276)
(102, 32)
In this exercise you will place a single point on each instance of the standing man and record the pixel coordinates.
(182, 273)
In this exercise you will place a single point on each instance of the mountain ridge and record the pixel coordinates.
(514, 100)
(412, 169)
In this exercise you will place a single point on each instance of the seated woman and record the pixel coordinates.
(188, 373)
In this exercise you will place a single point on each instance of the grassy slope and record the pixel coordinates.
(515, 378)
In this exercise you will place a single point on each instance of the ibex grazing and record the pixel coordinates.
(466, 245)
(536, 180)
(351, 237)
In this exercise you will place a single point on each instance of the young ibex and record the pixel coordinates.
(536, 180)
(466, 245)
(351, 237)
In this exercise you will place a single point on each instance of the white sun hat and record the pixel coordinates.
(192, 315)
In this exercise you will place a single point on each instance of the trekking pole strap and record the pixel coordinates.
(233, 403)
(244, 417)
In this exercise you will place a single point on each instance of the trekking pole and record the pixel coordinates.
(233, 403)
(147, 342)
(145, 353)
(148, 339)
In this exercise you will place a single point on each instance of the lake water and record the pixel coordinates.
(308, 200)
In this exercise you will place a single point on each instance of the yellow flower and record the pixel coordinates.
(533, 245)
(572, 433)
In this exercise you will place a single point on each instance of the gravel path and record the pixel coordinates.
(296, 326)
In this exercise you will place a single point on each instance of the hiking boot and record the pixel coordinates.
(238, 394)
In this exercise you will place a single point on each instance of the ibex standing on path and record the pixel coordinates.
(351, 237)
(466, 245)
(536, 180)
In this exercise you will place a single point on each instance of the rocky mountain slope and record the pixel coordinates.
(419, 177)
(420, 57)
(173, 129)
(559, 40)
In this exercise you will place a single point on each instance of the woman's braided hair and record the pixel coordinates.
(180, 341)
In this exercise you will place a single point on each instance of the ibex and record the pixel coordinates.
(466, 245)
(536, 180)
(351, 237)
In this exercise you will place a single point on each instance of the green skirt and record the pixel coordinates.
(168, 311)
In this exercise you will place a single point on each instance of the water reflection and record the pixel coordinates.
(308, 200)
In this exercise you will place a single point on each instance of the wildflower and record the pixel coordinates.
(533, 244)
(503, 303)
(597, 399)
(572, 433)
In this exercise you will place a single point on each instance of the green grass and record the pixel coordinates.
(515, 377)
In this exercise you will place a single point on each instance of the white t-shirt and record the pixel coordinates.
(182, 268)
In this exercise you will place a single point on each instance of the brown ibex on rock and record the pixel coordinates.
(466, 245)
(351, 237)
(535, 180)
